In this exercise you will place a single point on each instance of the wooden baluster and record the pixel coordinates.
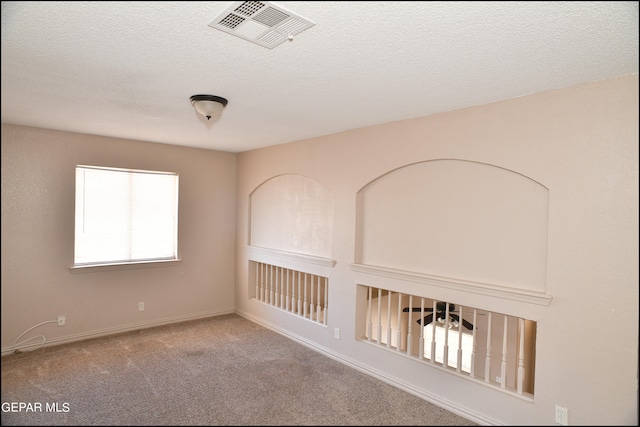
(304, 303)
(276, 301)
(460, 325)
(369, 315)
(473, 352)
(261, 268)
(282, 280)
(445, 352)
(421, 341)
(257, 280)
(389, 294)
(379, 324)
(265, 280)
(399, 335)
(283, 290)
(326, 300)
(299, 312)
(283, 287)
(280, 297)
(266, 283)
(271, 284)
(293, 289)
(487, 360)
(433, 333)
(409, 326)
(286, 287)
(292, 293)
(503, 366)
(318, 307)
(284, 295)
(311, 293)
(520, 355)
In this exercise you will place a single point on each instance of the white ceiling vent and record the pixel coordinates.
(261, 22)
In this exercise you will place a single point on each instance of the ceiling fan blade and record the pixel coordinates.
(427, 319)
(417, 309)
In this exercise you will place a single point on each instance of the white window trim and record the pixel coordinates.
(134, 263)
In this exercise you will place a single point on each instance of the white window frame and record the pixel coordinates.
(118, 226)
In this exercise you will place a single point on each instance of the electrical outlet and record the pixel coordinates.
(61, 320)
(141, 306)
(562, 416)
(336, 333)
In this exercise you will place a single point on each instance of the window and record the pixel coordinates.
(125, 216)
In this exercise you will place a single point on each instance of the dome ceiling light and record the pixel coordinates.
(208, 105)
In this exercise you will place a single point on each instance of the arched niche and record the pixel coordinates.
(456, 219)
(292, 213)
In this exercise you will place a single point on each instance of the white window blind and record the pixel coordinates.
(125, 216)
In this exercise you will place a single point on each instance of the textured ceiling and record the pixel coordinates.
(127, 69)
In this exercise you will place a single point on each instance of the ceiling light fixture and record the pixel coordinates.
(208, 105)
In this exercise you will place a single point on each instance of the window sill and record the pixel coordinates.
(94, 268)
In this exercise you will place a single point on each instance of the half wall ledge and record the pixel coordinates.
(415, 283)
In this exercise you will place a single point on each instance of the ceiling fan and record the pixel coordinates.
(441, 310)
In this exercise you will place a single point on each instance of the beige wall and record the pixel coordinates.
(580, 143)
(38, 190)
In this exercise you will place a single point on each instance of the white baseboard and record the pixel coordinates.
(115, 330)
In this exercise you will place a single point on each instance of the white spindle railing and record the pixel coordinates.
(326, 300)
(409, 326)
(460, 334)
(520, 355)
(311, 298)
(472, 370)
(287, 296)
(276, 300)
(299, 293)
(474, 328)
(318, 305)
(302, 294)
(369, 315)
(433, 333)
(271, 284)
(399, 334)
(305, 304)
(503, 365)
(421, 340)
(389, 319)
(445, 353)
(379, 337)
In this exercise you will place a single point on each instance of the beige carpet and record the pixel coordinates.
(223, 370)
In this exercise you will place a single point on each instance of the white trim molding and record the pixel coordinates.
(303, 262)
(381, 276)
(115, 330)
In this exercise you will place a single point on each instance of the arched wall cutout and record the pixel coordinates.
(458, 219)
(292, 213)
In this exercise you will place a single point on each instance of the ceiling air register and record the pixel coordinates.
(264, 23)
